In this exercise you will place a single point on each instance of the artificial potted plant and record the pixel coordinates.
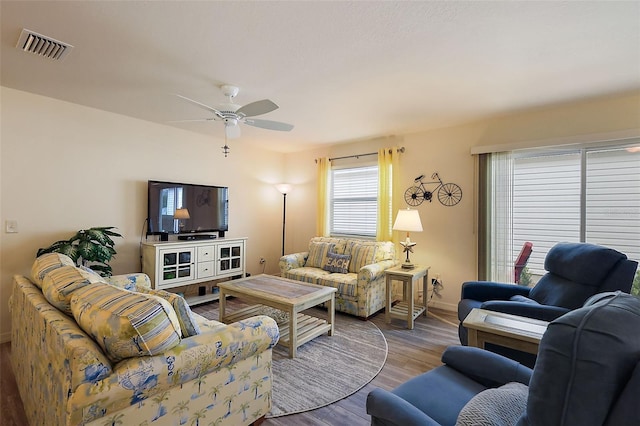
(92, 248)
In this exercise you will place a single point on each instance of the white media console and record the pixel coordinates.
(174, 264)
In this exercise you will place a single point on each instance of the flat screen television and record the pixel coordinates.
(183, 208)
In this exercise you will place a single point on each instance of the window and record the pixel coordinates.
(589, 194)
(354, 201)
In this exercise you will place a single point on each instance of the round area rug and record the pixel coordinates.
(326, 369)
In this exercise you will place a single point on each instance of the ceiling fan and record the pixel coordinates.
(232, 114)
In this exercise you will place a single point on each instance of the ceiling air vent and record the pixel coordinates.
(47, 47)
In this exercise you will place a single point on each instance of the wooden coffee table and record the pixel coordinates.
(512, 331)
(286, 295)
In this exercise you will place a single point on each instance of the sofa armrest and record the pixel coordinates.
(524, 309)
(130, 281)
(373, 271)
(194, 357)
(393, 410)
(292, 261)
(489, 290)
(487, 368)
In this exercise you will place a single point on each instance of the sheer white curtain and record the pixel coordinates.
(501, 217)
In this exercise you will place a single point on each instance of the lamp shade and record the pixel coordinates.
(181, 214)
(284, 188)
(408, 220)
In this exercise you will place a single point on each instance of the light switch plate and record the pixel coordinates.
(11, 226)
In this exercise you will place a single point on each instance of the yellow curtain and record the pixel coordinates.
(387, 168)
(322, 226)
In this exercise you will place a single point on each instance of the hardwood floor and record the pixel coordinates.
(411, 352)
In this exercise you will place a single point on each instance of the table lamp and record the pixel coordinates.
(407, 220)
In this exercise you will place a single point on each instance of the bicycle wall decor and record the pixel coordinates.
(449, 194)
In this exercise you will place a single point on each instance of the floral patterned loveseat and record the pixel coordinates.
(88, 352)
(354, 267)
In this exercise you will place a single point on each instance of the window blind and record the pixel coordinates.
(354, 199)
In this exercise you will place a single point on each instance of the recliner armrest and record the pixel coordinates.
(382, 404)
(523, 309)
(489, 290)
(487, 368)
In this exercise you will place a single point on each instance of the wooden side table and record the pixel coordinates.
(406, 309)
(512, 331)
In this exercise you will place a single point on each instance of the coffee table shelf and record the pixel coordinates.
(243, 313)
(308, 329)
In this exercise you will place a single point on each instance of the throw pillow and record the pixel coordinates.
(47, 263)
(188, 323)
(362, 254)
(59, 284)
(125, 324)
(337, 263)
(318, 254)
(495, 407)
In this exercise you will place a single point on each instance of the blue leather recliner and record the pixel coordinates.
(575, 272)
(587, 373)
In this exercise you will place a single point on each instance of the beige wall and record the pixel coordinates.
(64, 167)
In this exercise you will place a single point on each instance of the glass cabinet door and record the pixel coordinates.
(230, 259)
(177, 266)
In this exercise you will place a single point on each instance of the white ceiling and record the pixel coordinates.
(340, 71)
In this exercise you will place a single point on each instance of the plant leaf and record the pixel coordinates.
(70, 250)
(99, 236)
(88, 250)
(53, 248)
(103, 253)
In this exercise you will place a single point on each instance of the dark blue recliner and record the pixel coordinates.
(587, 373)
(575, 272)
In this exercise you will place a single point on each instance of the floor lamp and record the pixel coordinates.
(284, 188)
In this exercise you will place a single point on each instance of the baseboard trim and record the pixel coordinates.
(442, 305)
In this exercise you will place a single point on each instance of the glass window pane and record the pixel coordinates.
(613, 200)
(354, 201)
(546, 204)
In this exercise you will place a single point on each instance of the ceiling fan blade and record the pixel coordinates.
(232, 131)
(191, 120)
(268, 124)
(257, 108)
(201, 105)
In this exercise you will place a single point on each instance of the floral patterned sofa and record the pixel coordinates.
(354, 267)
(88, 352)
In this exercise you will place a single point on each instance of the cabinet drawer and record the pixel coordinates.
(206, 269)
(205, 254)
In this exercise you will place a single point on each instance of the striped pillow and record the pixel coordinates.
(47, 263)
(318, 254)
(125, 324)
(362, 255)
(188, 323)
(59, 284)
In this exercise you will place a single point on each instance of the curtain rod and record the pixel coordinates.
(400, 150)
